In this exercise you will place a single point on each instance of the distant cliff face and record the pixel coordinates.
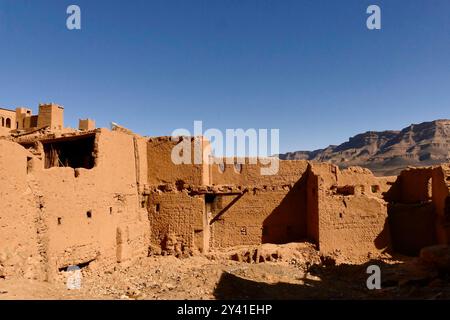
(388, 152)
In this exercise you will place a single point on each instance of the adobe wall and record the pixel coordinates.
(86, 124)
(4, 131)
(417, 209)
(141, 167)
(351, 216)
(365, 180)
(135, 197)
(261, 215)
(100, 210)
(353, 225)
(243, 216)
(441, 201)
(413, 185)
(289, 172)
(20, 253)
(94, 216)
(7, 117)
(177, 220)
(412, 226)
(161, 168)
(51, 115)
(314, 184)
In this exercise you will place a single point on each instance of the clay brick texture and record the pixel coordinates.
(99, 197)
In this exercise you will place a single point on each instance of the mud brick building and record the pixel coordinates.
(98, 197)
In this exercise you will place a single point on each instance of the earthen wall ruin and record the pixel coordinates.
(99, 197)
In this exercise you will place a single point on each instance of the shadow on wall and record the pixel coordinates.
(333, 282)
(411, 212)
(287, 223)
(383, 241)
(412, 227)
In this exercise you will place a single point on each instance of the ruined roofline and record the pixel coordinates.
(68, 137)
(430, 167)
(172, 138)
(49, 136)
(58, 135)
(225, 189)
(256, 158)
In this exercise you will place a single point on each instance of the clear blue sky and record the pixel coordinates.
(310, 68)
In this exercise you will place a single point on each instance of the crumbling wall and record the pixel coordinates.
(217, 217)
(19, 242)
(353, 225)
(412, 226)
(413, 185)
(350, 217)
(177, 221)
(161, 168)
(260, 215)
(94, 216)
(134, 196)
(250, 173)
(141, 169)
(412, 211)
(364, 181)
(312, 205)
(441, 202)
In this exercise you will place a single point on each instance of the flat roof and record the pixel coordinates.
(7, 109)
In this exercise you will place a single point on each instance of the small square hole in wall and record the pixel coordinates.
(157, 207)
(89, 214)
(209, 198)
(244, 231)
(110, 210)
(341, 215)
(375, 189)
(59, 221)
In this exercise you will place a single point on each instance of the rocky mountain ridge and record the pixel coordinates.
(387, 152)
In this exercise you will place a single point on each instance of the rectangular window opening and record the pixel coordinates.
(73, 152)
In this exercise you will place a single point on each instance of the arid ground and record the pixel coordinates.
(291, 271)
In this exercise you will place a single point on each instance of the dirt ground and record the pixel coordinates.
(292, 271)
